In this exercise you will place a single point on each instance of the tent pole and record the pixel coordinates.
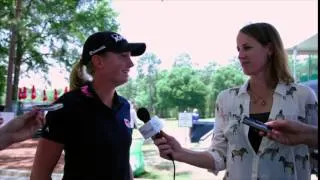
(295, 52)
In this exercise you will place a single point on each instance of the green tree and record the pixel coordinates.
(182, 89)
(147, 68)
(183, 59)
(206, 77)
(224, 78)
(51, 31)
(129, 89)
(207, 71)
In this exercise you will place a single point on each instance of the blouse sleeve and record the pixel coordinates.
(218, 147)
(311, 108)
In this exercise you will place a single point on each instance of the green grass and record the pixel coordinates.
(162, 175)
(171, 119)
(158, 168)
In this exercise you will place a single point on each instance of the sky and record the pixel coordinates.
(205, 29)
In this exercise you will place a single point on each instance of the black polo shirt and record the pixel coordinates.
(96, 138)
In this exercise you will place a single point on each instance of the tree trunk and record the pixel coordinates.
(12, 53)
(150, 94)
(18, 60)
(155, 91)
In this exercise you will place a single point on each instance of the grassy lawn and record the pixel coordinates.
(161, 169)
(158, 168)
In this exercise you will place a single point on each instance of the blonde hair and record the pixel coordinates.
(80, 74)
(266, 34)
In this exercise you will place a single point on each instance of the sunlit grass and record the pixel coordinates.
(161, 169)
(155, 166)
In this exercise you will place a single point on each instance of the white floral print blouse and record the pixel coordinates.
(232, 149)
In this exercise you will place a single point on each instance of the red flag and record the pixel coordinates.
(66, 89)
(20, 94)
(44, 98)
(55, 95)
(33, 93)
(24, 93)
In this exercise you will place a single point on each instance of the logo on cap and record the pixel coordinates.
(117, 37)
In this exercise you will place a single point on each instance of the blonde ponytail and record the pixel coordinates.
(79, 76)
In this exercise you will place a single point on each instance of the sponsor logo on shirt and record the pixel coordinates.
(127, 123)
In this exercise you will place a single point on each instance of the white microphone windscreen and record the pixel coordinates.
(151, 128)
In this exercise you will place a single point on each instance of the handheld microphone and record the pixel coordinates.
(152, 127)
(144, 115)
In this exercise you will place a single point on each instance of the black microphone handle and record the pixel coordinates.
(159, 135)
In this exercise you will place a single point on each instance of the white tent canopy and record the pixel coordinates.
(308, 46)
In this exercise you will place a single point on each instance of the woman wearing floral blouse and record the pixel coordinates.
(270, 94)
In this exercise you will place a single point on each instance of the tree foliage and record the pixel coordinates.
(147, 68)
(183, 59)
(224, 78)
(51, 32)
(182, 89)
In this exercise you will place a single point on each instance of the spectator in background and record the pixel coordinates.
(195, 115)
(135, 121)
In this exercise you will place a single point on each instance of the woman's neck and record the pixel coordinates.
(105, 92)
(263, 81)
(260, 83)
